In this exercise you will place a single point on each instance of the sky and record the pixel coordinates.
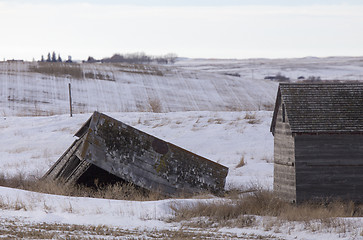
(189, 28)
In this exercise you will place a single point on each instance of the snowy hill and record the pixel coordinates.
(189, 85)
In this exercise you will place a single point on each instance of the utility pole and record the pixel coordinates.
(70, 99)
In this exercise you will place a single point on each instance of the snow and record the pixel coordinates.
(189, 85)
(220, 117)
(224, 137)
(144, 216)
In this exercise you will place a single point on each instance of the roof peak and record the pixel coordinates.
(322, 108)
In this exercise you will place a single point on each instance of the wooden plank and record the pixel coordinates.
(284, 153)
(329, 165)
(56, 170)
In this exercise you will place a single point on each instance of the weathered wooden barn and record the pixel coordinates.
(110, 151)
(318, 142)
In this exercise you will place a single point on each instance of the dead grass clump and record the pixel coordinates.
(250, 116)
(216, 120)
(17, 181)
(155, 105)
(252, 119)
(309, 211)
(15, 229)
(264, 203)
(231, 212)
(241, 162)
(124, 191)
(58, 69)
(16, 205)
(139, 69)
(120, 191)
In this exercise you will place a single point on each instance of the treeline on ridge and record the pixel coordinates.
(136, 58)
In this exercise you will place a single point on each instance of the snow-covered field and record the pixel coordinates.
(29, 145)
(224, 137)
(188, 85)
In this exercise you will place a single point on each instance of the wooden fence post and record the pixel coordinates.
(70, 99)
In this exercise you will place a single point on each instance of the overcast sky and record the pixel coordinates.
(189, 28)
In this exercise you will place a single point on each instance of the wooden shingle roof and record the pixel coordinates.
(322, 108)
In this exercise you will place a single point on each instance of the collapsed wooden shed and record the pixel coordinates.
(318, 142)
(111, 151)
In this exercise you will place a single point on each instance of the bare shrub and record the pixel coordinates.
(281, 78)
(155, 105)
(58, 69)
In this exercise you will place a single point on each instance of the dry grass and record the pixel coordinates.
(216, 120)
(14, 229)
(252, 119)
(264, 203)
(241, 163)
(139, 69)
(58, 69)
(250, 116)
(155, 105)
(16, 205)
(120, 191)
(309, 211)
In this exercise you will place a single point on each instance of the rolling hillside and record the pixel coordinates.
(42, 89)
(31, 88)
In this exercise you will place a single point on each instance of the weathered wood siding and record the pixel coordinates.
(284, 163)
(69, 166)
(147, 161)
(329, 166)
